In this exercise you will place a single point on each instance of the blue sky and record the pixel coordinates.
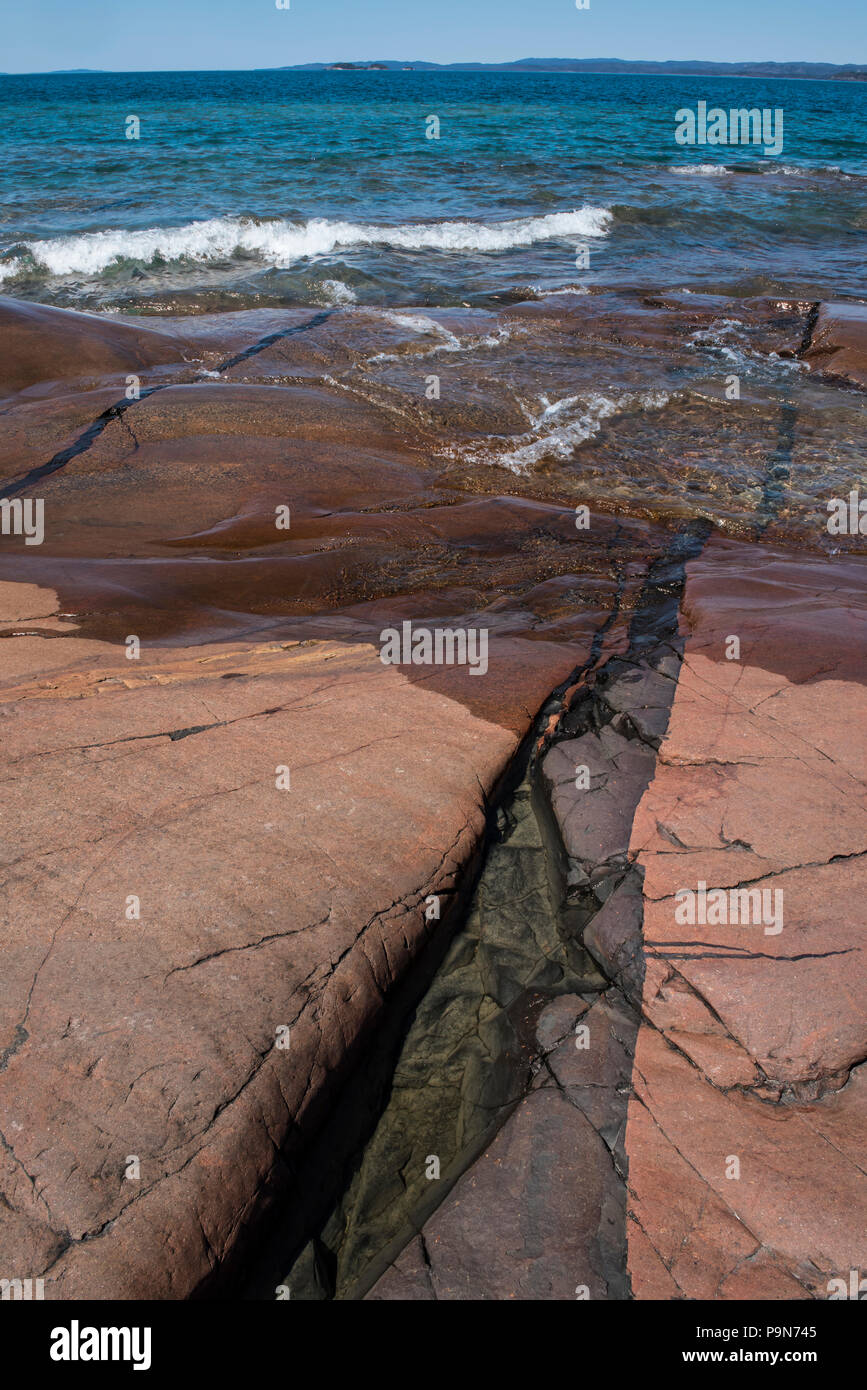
(187, 34)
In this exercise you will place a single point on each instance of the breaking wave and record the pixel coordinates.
(280, 243)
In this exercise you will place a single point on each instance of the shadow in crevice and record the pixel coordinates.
(543, 923)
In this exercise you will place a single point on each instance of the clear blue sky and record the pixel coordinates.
(40, 35)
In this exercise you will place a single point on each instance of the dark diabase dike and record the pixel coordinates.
(497, 1024)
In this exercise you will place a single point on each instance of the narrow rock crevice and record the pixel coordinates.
(470, 1052)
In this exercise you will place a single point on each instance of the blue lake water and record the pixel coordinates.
(271, 188)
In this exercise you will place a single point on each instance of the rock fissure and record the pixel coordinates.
(522, 877)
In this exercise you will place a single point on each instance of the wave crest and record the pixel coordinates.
(280, 243)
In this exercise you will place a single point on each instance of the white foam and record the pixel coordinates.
(419, 323)
(449, 342)
(705, 171)
(718, 330)
(9, 269)
(717, 339)
(280, 243)
(797, 171)
(548, 438)
(564, 289)
(416, 323)
(452, 344)
(335, 292)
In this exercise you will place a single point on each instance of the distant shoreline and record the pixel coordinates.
(613, 67)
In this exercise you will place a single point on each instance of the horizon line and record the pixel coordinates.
(360, 64)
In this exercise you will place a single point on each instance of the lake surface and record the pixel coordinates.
(271, 188)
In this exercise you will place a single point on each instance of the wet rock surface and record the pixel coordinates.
(169, 908)
(219, 854)
(838, 342)
(56, 348)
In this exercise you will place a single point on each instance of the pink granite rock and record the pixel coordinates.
(169, 911)
(749, 1060)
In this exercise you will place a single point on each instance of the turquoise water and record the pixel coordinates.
(281, 188)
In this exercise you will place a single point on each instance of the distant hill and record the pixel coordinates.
(685, 68)
(851, 72)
